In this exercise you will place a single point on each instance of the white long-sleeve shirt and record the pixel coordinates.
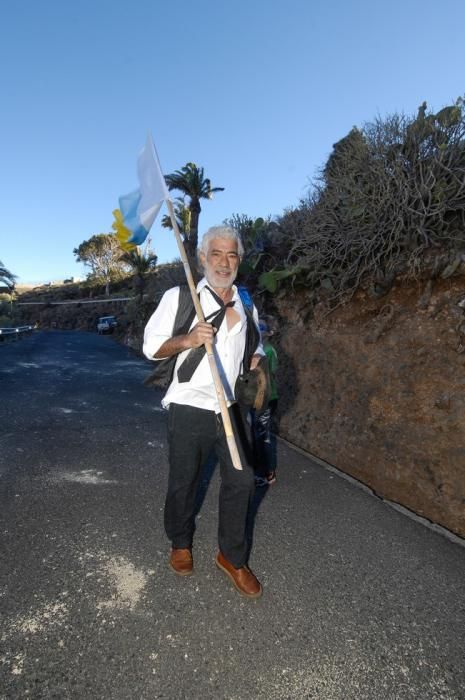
(228, 347)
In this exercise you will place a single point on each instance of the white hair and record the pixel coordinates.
(220, 232)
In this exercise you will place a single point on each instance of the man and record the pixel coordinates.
(195, 426)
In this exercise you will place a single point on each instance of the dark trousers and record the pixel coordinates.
(192, 435)
(264, 439)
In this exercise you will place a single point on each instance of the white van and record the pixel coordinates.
(106, 324)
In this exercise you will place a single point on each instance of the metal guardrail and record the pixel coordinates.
(14, 333)
(107, 300)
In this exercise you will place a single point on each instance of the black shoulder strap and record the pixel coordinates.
(253, 334)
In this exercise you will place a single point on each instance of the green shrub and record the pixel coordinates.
(390, 202)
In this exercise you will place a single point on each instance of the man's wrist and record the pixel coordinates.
(186, 342)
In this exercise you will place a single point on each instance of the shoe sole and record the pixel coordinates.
(246, 595)
(180, 573)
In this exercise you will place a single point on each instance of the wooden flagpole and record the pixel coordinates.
(236, 460)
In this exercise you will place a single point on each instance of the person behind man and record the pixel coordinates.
(195, 426)
(262, 422)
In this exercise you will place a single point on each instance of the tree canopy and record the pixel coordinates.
(102, 253)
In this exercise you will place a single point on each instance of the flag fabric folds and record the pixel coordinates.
(122, 233)
(138, 210)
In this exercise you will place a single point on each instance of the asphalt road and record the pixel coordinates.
(360, 602)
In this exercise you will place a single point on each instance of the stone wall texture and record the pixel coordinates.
(377, 389)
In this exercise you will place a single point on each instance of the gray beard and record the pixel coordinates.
(219, 284)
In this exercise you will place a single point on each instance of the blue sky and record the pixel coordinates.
(255, 91)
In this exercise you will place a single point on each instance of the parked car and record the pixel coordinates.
(106, 324)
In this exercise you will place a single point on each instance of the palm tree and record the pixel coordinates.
(7, 278)
(183, 218)
(140, 263)
(191, 182)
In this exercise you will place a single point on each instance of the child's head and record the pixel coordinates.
(265, 330)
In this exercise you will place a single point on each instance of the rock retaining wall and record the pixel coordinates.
(377, 389)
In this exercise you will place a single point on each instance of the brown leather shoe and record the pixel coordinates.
(181, 562)
(244, 580)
